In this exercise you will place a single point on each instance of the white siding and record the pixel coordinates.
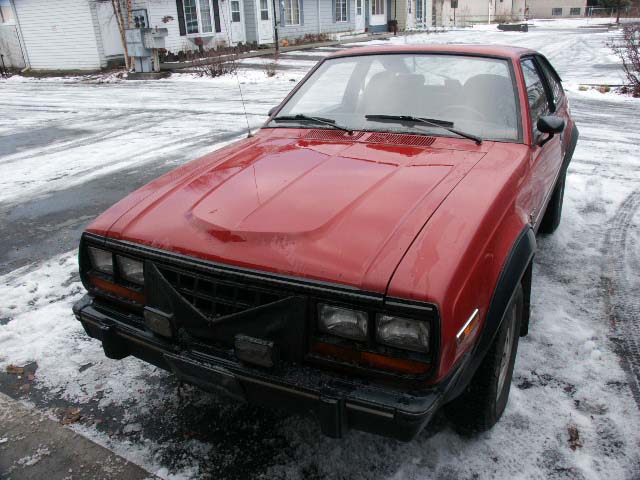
(60, 35)
(312, 24)
(159, 12)
(109, 31)
(251, 20)
(544, 8)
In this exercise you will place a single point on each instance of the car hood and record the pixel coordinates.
(343, 210)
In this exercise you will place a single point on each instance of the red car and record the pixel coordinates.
(365, 257)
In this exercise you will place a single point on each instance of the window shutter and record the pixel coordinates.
(333, 10)
(181, 24)
(216, 16)
(301, 7)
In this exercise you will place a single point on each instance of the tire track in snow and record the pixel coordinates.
(621, 290)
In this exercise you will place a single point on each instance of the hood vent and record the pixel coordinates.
(401, 139)
(325, 134)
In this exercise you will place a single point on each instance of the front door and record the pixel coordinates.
(236, 25)
(265, 21)
(359, 15)
(547, 159)
(378, 15)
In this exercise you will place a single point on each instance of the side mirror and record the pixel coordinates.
(272, 110)
(550, 124)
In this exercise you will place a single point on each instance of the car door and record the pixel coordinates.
(546, 159)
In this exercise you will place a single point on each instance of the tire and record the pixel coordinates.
(551, 219)
(482, 403)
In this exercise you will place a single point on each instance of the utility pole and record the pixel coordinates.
(275, 28)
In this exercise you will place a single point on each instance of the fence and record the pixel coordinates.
(452, 19)
(624, 14)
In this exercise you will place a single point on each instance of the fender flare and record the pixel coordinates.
(516, 268)
(568, 154)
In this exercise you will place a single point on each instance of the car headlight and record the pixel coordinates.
(342, 322)
(403, 333)
(131, 270)
(101, 260)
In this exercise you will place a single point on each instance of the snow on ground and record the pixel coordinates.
(103, 128)
(567, 377)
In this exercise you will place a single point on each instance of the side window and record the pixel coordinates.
(536, 93)
(553, 81)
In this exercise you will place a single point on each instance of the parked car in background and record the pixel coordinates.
(366, 257)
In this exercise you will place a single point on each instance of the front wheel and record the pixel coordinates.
(482, 403)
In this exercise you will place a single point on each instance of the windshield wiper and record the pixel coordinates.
(428, 121)
(324, 121)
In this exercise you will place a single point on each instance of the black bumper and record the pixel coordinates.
(338, 403)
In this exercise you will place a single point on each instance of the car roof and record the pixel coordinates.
(505, 51)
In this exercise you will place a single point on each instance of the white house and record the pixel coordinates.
(67, 35)
(84, 34)
(556, 8)
(213, 23)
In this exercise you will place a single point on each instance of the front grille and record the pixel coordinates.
(214, 297)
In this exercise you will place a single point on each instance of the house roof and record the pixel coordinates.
(506, 51)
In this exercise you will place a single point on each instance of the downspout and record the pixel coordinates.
(23, 46)
(319, 24)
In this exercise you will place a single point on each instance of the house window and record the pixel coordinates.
(235, 10)
(292, 12)
(341, 10)
(419, 10)
(6, 14)
(358, 7)
(199, 16)
(191, 16)
(377, 7)
(264, 9)
(205, 16)
(556, 12)
(574, 11)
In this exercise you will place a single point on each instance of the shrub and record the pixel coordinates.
(627, 48)
(215, 63)
(271, 67)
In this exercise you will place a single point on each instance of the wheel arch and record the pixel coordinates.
(516, 269)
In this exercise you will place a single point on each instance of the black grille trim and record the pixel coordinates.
(215, 297)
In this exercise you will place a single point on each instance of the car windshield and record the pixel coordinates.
(473, 94)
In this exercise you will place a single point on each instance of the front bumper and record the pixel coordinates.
(339, 403)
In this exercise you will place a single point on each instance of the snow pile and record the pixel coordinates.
(41, 328)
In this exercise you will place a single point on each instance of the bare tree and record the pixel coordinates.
(627, 48)
(122, 26)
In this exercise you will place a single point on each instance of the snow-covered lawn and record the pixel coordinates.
(568, 377)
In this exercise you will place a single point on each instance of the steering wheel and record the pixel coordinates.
(462, 108)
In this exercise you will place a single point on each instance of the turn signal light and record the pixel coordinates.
(369, 359)
(117, 290)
